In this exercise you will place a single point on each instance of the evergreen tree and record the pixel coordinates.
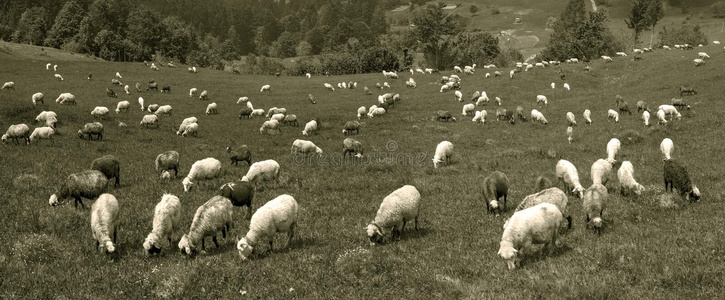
(433, 29)
(655, 13)
(66, 26)
(582, 37)
(31, 27)
(637, 19)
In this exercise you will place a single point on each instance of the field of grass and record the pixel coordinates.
(650, 248)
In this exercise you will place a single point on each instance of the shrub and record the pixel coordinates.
(718, 9)
(686, 34)
(305, 65)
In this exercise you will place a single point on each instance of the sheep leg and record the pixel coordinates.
(568, 219)
(115, 230)
(176, 171)
(224, 232)
(504, 202)
(215, 241)
(416, 223)
(202, 244)
(290, 234)
(118, 181)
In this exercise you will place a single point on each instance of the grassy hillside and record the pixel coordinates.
(651, 247)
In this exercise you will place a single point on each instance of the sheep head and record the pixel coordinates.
(374, 233)
(53, 201)
(5, 138)
(107, 247)
(318, 150)
(509, 254)
(597, 224)
(150, 244)
(639, 189)
(578, 191)
(187, 184)
(186, 247)
(694, 195)
(493, 205)
(244, 248)
(436, 161)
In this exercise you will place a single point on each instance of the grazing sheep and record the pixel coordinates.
(166, 89)
(567, 87)
(204, 95)
(241, 153)
(66, 98)
(168, 160)
(153, 86)
(458, 96)
(468, 108)
(676, 177)
(351, 126)
(290, 120)
(541, 100)
(44, 133)
(17, 131)
(551, 195)
(613, 115)
(498, 101)
(310, 127)
(538, 224)
(304, 147)
(623, 107)
(111, 93)
(211, 109)
(104, 222)
(244, 100)
(87, 184)
(593, 204)
(699, 62)
(567, 174)
(55, 68)
(140, 102)
(150, 120)
(90, 129)
(245, 112)
(570, 134)
(600, 171)
(495, 186)
(627, 184)
(126, 89)
(537, 116)
(192, 92)
(57, 76)
(272, 125)
(109, 166)
(542, 182)
(666, 147)
(241, 193)
(214, 216)
(191, 130)
(37, 97)
(679, 103)
(645, 118)
(478, 117)
(613, 147)
(352, 146)
(266, 170)
(167, 217)
(361, 111)
(703, 55)
(152, 108)
(123, 106)
(185, 123)
(661, 117)
(277, 215)
(401, 206)
(274, 110)
(642, 106)
(444, 153)
(257, 112)
(138, 87)
(520, 113)
(606, 59)
(571, 119)
(208, 168)
(100, 111)
(444, 115)
(265, 88)
(47, 117)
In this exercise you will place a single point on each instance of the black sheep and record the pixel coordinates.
(109, 166)
(444, 115)
(240, 193)
(676, 177)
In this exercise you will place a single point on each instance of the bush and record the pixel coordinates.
(718, 9)
(376, 60)
(686, 34)
(72, 47)
(340, 63)
(305, 65)
(508, 56)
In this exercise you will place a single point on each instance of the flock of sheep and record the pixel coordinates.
(536, 220)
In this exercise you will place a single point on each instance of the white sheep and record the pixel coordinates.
(637, 51)
(57, 76)
(245, 100)
(716, 42)
(468, 108)
(211, 109)
(204, 95)
(257, 112)
(308, 75)
(164, 110)
(65, 97)
(185, 123)
(593, 204)
(699, 62)
(666, 147)
(567, 174)
(606, 59)
(661, 117)
(8, 86)
(55, 68)
(627, 184)
(553, 85)
(47, 66)
(401, 206)
(567, 87)
(378, 111)
(126, 89)
(571, 118)
(277, 215)
(304, 147)
(666, 47)
(703, 55)
(444, 153)
(214, 216)
(569, 134)
(329, 87)
(122, 106)
(479, 117)
(37, 97)
(191, 130)
(541, 100)
(272, 125)
(498, 101)
(48, 117)
(155, 68)
(265, 88)
(266, 170)
(207, 168)
(600, 171)
(670, 110)
(140, 102)
(458, 95)
(168, 160)
(538, 224)
(613, 147)
(167, 217)
(511, 74)
(17, 131)
(621, 54)
(547, 194)
(119, 75)
(104, 222)
(587, 116)
(100, 111)
(192, 93)
(42, 133)
(537, 116)
(361, 111)
(645, 118)
(613, 115)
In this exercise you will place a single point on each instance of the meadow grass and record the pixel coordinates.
(650, 248)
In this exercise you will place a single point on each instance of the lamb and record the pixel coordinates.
(192, 93)
(270, 125)
(495, 186)
(699, 62)
(265, 88)
(670, 110)
(104, 222)
(679, 103)
(266, 170)
(676, 177)
(150, 120)
(90, 129)
(468, 108)
(600, 171)
(444, 115)
(167, 217)
(185, 123)
(241, 193)
(361, 111)
(204, 95)
(395, 211)
(214, 216)
(245, 100)
(87, 184)
(613, 115)
(351, 126)
(66, 98)
(45, 133)
(627, 184)
(444, 153)
(37, 97)
(613, 147)
(152, 108)
(645, 118)
(571, 119)
(17, 131)
(126, 89)
(168, 160)
(109, 166)
(257, 112)
(535, 225)
(208, 168)
(642, 106)
(542, 182)
(304, 147)
(191, 130)
(537, 116)
(541, 100)
(290, 120)
(352, 146)
(666, 147)
(458, 95)
(570, 134)
(100, 111)
(140, 102)
(57, 76)
(593, 204)
(703, 55)
(277, 215)
(520, 113)
(567, 174)
(211, 109)
(122, 106)
(551, 195)
(310, 127)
